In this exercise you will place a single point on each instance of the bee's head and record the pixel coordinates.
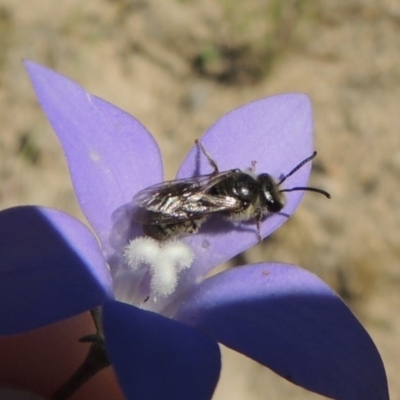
(272, 198)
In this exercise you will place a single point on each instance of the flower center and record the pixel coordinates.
(151, 270)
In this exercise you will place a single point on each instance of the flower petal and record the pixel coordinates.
(277, 133)
(110, 154)
(289, 320)
(51, 269)
(157, 358)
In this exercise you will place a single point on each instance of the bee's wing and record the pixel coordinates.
(182, 199)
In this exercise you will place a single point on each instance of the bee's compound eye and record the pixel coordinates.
(272, 199)
(274, 205)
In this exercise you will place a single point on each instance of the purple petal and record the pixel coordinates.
(110, 154)
(157, 358)
(292, 322)
(51, 269)
(277, 132)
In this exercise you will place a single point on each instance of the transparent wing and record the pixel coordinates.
(182, 199)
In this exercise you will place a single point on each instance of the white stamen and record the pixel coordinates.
(142, 250)
(164, 260)
(164, 280)
(178, 254)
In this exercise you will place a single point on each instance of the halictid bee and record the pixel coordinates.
(179, 207)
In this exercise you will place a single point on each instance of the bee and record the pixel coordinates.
(180, 207)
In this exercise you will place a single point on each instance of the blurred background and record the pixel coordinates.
(177, 66)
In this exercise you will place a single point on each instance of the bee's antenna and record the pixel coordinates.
(305, 188)
(309, 189)
(297, 167)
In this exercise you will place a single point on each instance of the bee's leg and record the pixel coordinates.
(259, 218)
(193, 224)
(196, 223)
(210, 160)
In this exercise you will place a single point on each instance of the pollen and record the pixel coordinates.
(164, 262)
(143, 250)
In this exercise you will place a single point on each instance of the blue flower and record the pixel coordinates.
(165, 346)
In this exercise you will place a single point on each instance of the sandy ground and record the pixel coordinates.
(179, 65)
